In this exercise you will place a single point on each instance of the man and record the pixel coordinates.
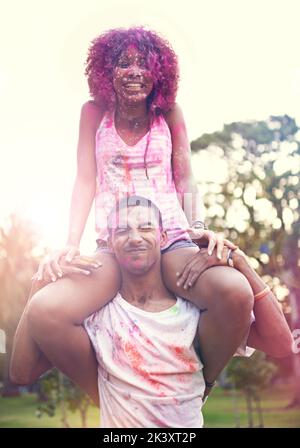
(148, 372)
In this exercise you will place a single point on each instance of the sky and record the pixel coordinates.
(238, 61)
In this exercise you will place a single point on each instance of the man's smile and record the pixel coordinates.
(137, 249)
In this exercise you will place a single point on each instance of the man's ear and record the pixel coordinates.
(109, 243)
(163, 238)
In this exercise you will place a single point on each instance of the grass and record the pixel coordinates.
(20, 412)
(219, 409)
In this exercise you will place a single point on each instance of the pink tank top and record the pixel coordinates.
(121, 171)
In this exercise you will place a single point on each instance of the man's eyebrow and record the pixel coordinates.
(147, 223)
(121, 226)
(126, 226)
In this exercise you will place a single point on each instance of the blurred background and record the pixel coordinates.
(240, 94)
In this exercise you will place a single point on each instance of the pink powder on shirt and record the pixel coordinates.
(137, 362)
(190, 362)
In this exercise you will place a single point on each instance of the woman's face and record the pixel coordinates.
(132, 79)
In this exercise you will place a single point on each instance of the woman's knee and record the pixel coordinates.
(44, 313)
(239, 295)
(229, 290)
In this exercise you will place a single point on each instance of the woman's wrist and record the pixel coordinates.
(74, 236)
(239, 260)
(73, 240)
(199, 224)
(73, 243)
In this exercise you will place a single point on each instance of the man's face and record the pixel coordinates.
(136, 239)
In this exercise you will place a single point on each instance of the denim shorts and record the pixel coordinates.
(102, 246)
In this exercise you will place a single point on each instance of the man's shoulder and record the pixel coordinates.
(186, 306)
(95, 317)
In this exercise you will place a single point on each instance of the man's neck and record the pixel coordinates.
(146, 291)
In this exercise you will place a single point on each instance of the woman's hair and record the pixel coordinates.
(105, 51)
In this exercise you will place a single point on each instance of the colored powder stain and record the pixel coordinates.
(127, 169)
(109, 333)
(181, 377)
(137, 360)
(186, 358)
(149, 342)
(159, 423)
(134, 355)
(117, 348)
(109, 122)
(134, 330)
(174, 309)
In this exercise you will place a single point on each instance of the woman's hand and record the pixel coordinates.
(203, 236)
(198, 263)
(63, 262)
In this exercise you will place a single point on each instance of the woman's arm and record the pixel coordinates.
(270, 331)
(85, 183)
(83, 191)
(186, 186)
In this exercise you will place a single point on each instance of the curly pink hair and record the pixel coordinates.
(162, 62)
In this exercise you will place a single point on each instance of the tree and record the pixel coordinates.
(63, 394)
(18, 262)
(256, 200)
(251, 376)
(20, 253)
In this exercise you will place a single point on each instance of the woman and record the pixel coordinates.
(133, 140)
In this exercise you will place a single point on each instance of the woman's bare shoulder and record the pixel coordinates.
(173, 115)
(93, 112)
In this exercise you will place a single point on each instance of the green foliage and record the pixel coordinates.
(64, 395)
(257, 201)
(18, 240)
(258, 132)
(19, 412)
(256, 205)
(251, 375)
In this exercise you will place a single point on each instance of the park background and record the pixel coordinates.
(240, 93)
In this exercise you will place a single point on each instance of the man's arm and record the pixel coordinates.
(28, 362)
(270, 331)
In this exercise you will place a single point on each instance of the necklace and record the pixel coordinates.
(133, 123)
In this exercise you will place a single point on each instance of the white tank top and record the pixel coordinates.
(148, 372)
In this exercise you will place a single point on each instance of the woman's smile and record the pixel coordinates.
(134, 86)
(131, 75)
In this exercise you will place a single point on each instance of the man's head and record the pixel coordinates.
(136, 234)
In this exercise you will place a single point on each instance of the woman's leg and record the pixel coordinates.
(225, 298)
(55, 315)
